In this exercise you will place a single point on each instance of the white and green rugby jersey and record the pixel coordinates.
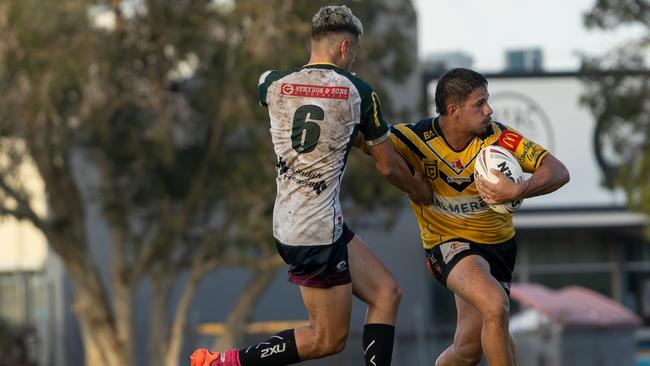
(315, 112)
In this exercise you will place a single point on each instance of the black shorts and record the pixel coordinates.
(442, 258)
(320, 266)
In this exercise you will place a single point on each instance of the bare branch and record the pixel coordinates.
(23, 210)
(242, 310)
(253, 262)
(169, 230)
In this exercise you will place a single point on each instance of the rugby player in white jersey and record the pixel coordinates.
(316, 112)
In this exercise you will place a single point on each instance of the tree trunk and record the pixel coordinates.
(198, 271)
(158, 319)
(243, 309)
(101, 345)
(123, 290)
(124, 320)
(91, 346)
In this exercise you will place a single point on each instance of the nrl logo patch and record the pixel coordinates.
(431, 168)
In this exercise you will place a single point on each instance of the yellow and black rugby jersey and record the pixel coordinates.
(458, 210)
(315, 112)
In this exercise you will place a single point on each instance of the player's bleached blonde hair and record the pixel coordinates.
(335, 19)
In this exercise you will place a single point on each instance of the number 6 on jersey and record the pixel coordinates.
(305, 132)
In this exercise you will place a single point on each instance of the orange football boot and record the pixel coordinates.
(203, 357)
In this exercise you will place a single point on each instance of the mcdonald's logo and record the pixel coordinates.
(509, 140)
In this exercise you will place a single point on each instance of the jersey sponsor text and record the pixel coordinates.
(315, 91)
(460, 206)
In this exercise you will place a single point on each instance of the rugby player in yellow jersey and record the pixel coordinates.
(470, 248)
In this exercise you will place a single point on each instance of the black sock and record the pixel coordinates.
(279, 350)
(378, 344)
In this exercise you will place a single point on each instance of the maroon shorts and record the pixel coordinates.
(320, 266)
(442, 258)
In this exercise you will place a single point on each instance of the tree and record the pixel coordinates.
(618, 95)
(147, 108)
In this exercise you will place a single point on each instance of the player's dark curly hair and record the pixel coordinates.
(455, 86)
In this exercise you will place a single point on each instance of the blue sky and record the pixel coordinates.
(486, 29)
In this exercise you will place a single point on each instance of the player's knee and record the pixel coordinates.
(468, 360)
(331, 343)
(389, 294)
(461, 359)
(392, 294)
(497, 311)
(468, 354)
(338, 345)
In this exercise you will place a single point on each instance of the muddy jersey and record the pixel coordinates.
(458, 210)
(315, 112)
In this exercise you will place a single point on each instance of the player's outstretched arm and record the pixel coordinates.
(550, 176)
(393, 167)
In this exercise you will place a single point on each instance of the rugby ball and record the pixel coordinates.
(496, 157)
